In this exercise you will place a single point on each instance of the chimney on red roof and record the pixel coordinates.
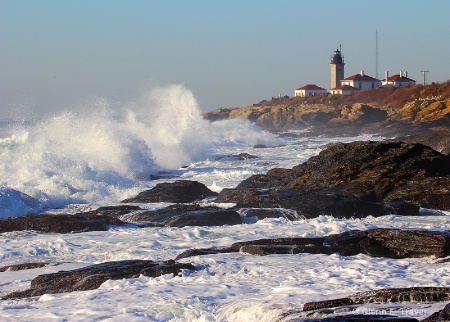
(362, 73)
(387, 75)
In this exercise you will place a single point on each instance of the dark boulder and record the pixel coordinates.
(353, 180)
(218, 217)
(391, 295)
(438, 138)
(112, 211)
(91, 277)
(262, 213)
(391, 243)
(187, 215)
(244, 156)
(19, 267)
(177, 192)
(202, 252)
(352, 318)
(260, 146)
(58, 223)
(343, 313)
(283, 246)
(340, 309)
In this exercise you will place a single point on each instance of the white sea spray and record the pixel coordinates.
(100, 155)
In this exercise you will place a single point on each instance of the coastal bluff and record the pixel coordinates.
(420, 113)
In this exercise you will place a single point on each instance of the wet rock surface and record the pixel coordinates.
(301, 317)
(391, 243)
(178, 215)
(59, 223)
(91, 277)
(187, 215)
(392, 295)
(380, 242)
(244, 156)
(180, 191)
(114, 212)
(353, 180)
(19, 267)
(437, 138)
(262, 213)
(340, 309)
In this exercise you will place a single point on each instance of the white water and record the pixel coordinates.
(226, 287)
(100, 157)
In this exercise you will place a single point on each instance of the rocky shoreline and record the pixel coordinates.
(391, 243)
(345, 180)
(397, 177)
(420, 114)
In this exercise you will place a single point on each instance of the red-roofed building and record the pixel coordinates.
(310, 90)
(399, 80)
(361, 81)
(344, 89)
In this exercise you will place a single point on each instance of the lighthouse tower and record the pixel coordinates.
(337, 68)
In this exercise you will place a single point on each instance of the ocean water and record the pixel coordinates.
(98, 156)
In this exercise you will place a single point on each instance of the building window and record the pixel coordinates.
(373, 85)
(360, 85)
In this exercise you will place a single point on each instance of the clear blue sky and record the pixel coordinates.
(57, 53)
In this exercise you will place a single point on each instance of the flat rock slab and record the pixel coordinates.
(186, 215)
(339, 309)
(244, 156)
(19, 267)
(348, 318)
(380, 242)
(58, 223)
(180, 191)
(262, 213)
(393, 295)
(91, 277)
(114, 212)
(391, 243)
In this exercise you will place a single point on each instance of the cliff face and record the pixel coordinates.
(283, 117)
(294, 117)
(418, 105)
(431, 111)
(421, 112)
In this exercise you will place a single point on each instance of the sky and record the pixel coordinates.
(57, 54)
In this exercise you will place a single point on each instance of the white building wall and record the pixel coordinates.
(299, 92)
(314, 92)
(397, 84)
(363, 85)
(341, 91)
(309, 92)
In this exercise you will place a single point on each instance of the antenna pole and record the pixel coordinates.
(424, 72)
(376, 54)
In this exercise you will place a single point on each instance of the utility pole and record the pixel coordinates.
(424, 76)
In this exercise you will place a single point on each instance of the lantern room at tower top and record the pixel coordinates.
(337, 58)
(337, 68)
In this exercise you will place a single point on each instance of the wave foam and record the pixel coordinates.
(98, 155)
